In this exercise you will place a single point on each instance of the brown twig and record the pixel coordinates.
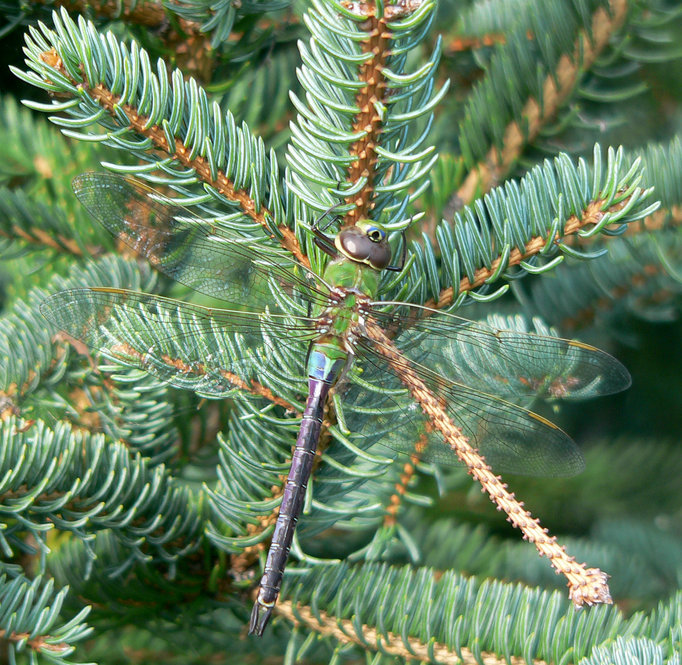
(36, 643)
(463, 43)
(585, 316)
(43, 238)
(557, 88)
(149, 14)
(586, 585)
(368, 119)
(409, 469)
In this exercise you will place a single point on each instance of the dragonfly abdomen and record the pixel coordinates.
(322, 375)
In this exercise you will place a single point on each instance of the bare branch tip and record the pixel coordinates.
(593, 589)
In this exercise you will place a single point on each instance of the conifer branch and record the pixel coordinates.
(636, 281)
(460, 613)
(253, 387)
(375, 160)
(197, 370)
(191, 47)
(39, 362)
(638, 276)
(592, 215)
(39, 162)
(639, 273)
(102, 403)
(345, 631)
(530, 218)
(117, 492)
(30, 616)
(141, 124)
(556, 89)
(586, 585)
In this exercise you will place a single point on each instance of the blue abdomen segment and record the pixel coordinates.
(322, 367)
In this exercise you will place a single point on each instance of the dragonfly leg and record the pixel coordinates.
(324, 242)
(326, 213)
(325, 245)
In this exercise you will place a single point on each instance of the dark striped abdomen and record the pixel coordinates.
(292, 504)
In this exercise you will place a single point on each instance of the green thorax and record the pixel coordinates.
(355, 279)
(354, 276)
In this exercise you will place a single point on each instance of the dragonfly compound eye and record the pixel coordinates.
(364, 244)
(375, 234)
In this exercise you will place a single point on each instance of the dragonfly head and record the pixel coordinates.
(365, 242)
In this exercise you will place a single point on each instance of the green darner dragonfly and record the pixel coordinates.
(417, 368)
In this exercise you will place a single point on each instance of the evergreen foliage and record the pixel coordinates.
(525, 154)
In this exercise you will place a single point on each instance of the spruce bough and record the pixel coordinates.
(360, 139)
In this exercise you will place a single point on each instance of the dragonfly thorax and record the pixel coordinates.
(348, 278)
(344, 315)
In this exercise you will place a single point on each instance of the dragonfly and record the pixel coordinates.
(391, 363)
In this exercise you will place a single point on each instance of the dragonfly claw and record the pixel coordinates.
(259, 622)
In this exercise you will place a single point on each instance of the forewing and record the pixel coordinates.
(511, 438)
(213, 352)
(508, 363)
(202, 254)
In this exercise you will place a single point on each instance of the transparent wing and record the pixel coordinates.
(509, 363)
(202, 254)
(211, 351)
(511, 438)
